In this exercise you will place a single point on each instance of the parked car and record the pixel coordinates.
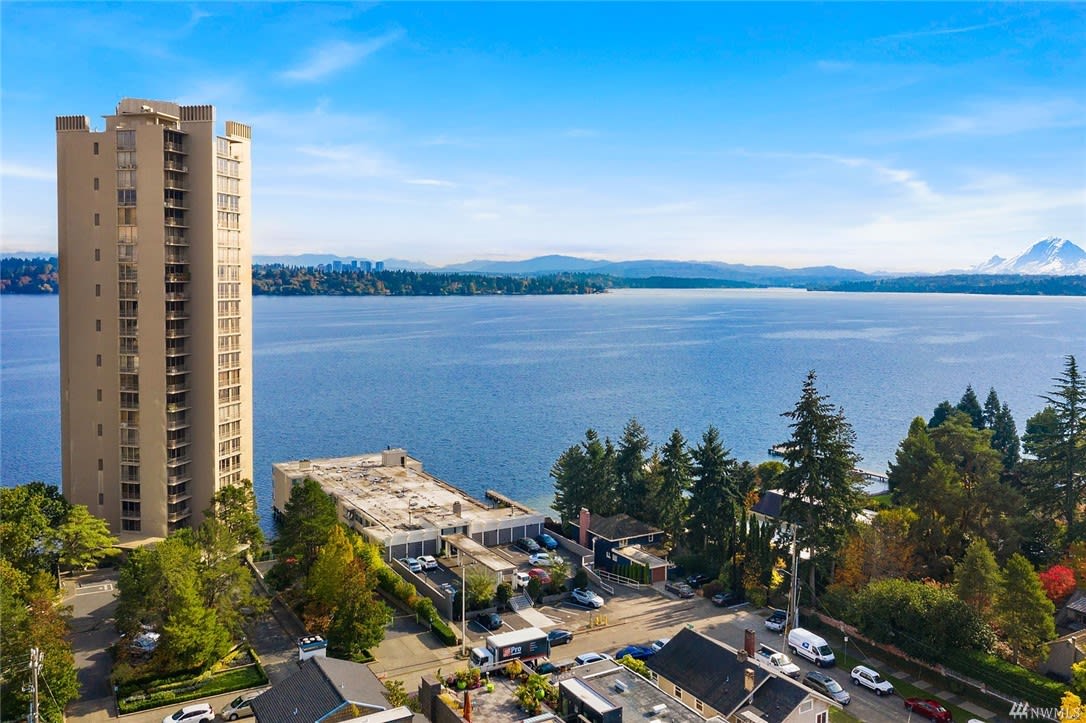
(559, 636)
(723, 599)
(697, 580)
(930, 709)
(679, 588)
(449, 588)
(776, 621)
(541, 559)
(827, 686)
(428, 562)
(658, 644)
(546, 541)
(195, 713)
(490, 621)
(584, 596)
(412, 564)
(528, 545)
(540, 574)
(586, 658)
(520, 580)
(239, 707)
(637, 652)
(870, 678)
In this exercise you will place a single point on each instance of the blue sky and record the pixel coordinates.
(880, 137)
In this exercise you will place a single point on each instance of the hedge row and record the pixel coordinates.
(238, 679)
(1008, 678)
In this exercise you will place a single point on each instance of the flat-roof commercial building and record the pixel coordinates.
(389, 498)
(153, 232)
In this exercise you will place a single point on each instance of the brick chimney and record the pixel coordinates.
(748, 680)
(749, 641)
(583, 521)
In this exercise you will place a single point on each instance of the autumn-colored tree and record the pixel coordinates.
(1058, 581)
(1071, 708)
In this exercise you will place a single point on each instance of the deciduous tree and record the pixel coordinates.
(84, 540)
(235, 507)
(1058, 582)
(1025, 613)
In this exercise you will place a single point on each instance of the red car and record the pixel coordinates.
(540, 574)
(930, 709)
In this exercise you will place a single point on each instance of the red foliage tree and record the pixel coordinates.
(1058, 581)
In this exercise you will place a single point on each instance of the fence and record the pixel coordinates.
(621, 580)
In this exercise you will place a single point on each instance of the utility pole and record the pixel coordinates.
(36, 658)
(793, 591)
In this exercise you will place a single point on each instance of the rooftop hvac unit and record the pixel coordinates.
(621, 686)
(659, 709)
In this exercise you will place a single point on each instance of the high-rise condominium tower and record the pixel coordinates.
(155, 313)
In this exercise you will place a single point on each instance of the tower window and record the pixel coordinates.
(96, 184)
(96, 148)
(98, 254)
(97, 220)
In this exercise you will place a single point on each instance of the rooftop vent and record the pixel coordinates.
(621, 686)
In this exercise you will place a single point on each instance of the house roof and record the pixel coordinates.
(321, 686)
(769, 505)
(637, 553)
(707, 669)
(775, 700)
(1077, 602)
(620, 526)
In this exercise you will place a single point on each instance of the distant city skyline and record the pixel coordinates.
(890, 137)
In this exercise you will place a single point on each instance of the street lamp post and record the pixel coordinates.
(793, 590)
(463, 608)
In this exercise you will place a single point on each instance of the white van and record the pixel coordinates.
(807, 645)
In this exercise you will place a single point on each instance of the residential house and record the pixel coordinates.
(717, 680)
(328, 690)
(621, 544)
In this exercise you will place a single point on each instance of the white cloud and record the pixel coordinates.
(430, 182)
(337, 55)
(1006, 118)
(935, 32)
(29, 173)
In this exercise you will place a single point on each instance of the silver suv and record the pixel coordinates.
(870, 678)
(584, 596)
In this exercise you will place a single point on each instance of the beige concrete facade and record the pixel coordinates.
(154, 220)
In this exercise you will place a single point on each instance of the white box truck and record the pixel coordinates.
(526, 644)
(807, 645)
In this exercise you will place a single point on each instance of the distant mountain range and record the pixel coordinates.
(638, 269)
(1051, 256)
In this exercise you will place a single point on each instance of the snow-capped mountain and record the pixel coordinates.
(1051, 256)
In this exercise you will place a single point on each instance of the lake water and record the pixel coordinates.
(488, 391)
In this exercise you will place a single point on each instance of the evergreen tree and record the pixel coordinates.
(822, 491)
(971, 406)
(991, 408)
(977, 579)
(84, 540)
(1005, 437)
(1025, 613)
(1056, 436)
(308, 519)
(944, 410)
(675, 480)
(225, 582)
(570, 490)
(600, 468)
(630, 469)
(715, 501)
